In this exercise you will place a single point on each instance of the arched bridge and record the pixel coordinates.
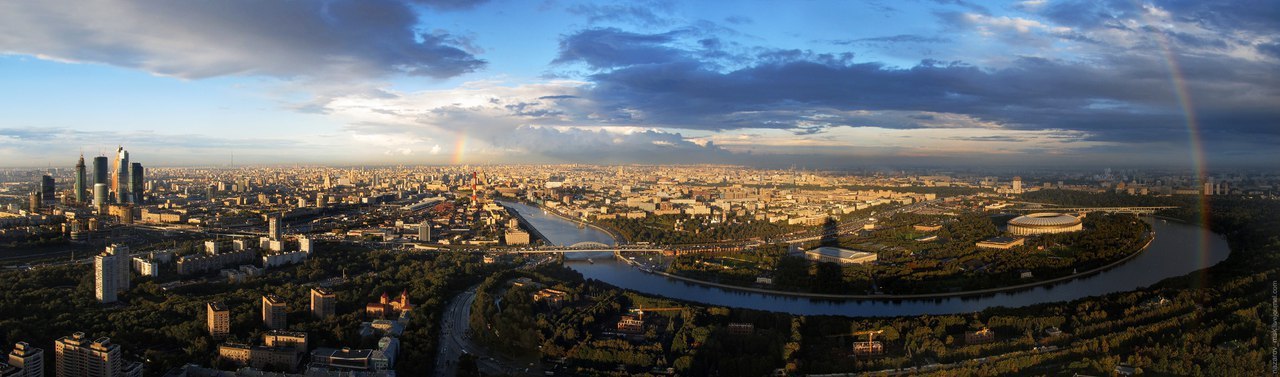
(586, 247)
(1137, 210)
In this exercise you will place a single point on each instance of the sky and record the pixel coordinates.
(819, 84)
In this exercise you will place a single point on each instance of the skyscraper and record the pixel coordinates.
(30, 359)
(424, 231)
(120, 185)
(47, 191)
(80, 195)
(76, 356)
(100, 170)
(100, 197)
(104, 278)
(135, 182)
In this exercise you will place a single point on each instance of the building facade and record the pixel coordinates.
(76, 356)
(218, 319)
(322, 302)
(104, 278)
(135, 182)
(120, 185)
(29, 359)
(274, 311)
(79, 187)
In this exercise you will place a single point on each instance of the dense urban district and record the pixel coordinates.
(384, 271)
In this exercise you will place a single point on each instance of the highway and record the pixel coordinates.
(455, 322)
(453, 333)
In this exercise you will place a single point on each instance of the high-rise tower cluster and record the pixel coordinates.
(121, 182)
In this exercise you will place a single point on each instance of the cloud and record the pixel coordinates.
(900, 38)
(548, 122)
(1115, 95)
(642, 13)
(33, 146)
(611, 48)
(451, 5)
(341, 39)
(965, 4)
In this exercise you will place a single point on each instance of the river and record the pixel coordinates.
(1174, 252)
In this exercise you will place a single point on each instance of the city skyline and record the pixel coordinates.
(822, 85)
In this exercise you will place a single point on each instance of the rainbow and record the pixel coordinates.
(1198, 162)
(459, 147)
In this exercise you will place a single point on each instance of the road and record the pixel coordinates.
(453, 329)
(454, 341)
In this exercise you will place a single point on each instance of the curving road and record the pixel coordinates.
(455, 340)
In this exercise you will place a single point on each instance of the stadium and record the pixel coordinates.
(1042, 223)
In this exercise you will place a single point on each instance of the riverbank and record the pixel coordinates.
(551, 211)
(920, 296)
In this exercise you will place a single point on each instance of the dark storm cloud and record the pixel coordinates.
(331, 39)
(611, 47)
(1114, 97)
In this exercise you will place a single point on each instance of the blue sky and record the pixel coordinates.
(813, 83)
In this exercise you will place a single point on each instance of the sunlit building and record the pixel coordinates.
(27, 359)
(219, 319)
(76, 356)
(838, 255)
(121, 183)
